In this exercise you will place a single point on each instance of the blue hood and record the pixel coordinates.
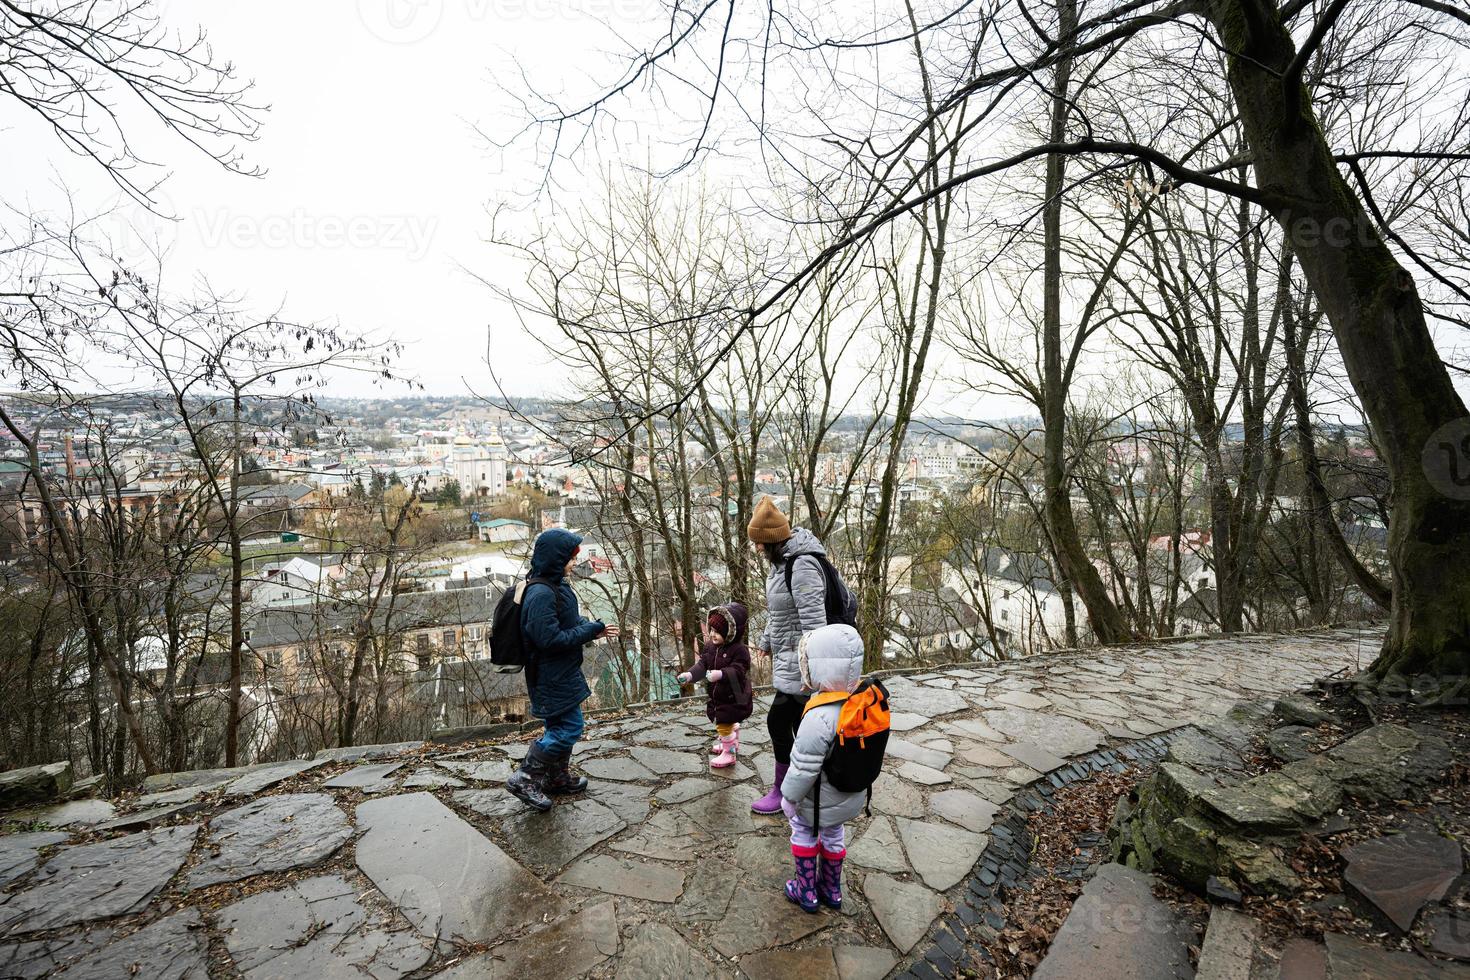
(554, 548)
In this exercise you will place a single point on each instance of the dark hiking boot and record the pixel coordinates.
(562, 781)
(528, 783)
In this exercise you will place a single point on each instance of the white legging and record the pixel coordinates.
(833, 838)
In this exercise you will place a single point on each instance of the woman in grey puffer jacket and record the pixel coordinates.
(790, 615)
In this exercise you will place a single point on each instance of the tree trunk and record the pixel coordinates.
(1378, 320)
(1108, 624)
(1319, 502)
(237, 595)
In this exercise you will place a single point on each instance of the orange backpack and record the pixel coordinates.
(856, 757)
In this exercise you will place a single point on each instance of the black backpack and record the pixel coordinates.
(839, 600)
(855, 759)
(510, 651)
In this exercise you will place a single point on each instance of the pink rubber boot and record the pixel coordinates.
(718, 745)
(726, 758)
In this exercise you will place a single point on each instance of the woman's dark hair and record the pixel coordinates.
(775, 553)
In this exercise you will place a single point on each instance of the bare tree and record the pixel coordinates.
(1325, 201)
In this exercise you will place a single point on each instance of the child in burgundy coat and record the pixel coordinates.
(724, 663)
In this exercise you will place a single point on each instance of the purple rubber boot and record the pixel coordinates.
(803, 888)
(771, 802)
(829, 878)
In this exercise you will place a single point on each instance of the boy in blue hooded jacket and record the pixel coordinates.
(555, 631)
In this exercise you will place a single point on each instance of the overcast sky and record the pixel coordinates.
(379, 169)
(376, 182)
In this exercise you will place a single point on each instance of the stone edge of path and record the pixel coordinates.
(1066, 656)
(977, 907)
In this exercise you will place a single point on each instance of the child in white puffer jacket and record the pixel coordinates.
(832, 667)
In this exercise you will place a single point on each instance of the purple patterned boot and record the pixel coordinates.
(771, 802)
(803, 888)
(829, 878)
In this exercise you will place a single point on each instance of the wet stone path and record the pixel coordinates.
(412, 861)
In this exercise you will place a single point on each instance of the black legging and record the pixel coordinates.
(782, 721)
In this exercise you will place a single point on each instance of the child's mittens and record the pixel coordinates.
(685, 677)
(788, 807)
(714, 675)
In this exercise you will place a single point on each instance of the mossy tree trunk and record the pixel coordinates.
(1378, 320)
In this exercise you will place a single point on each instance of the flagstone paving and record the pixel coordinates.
(660, 870)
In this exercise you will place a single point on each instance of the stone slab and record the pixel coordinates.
(941, 855)
(1349, 958)
(664, 836)
(34, 784)
(77, 813)
(923, 775)
(493, 771)
(274, 833)
(666, 762)
(619, 769)
(446, 877)
(985, 756)
(904, 909)
(1400, 874)
(659, 952)
(759, 920)
(369, 778)
(1302, 959)
(1447, 932)
(361, 753)
(707, 895)
(318, 927)
(729, 811)
(1034, 756)
(764, 861)
(489, 802)
(154, 817)
(1117, 929)
(550, 841)
(431, 779)
(1062, 736)
(684, 790)
(86, 882)
(902, 748)
(629, 801)
(19, 853)
(37, 958)
(173, 948)
(811, 963)
(623, 876)
(1230, 945)
(878, 848)
(897, 797)
(258, 780)
(568, 948)
(1021, 699)
(863, 962)
(970, 810)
